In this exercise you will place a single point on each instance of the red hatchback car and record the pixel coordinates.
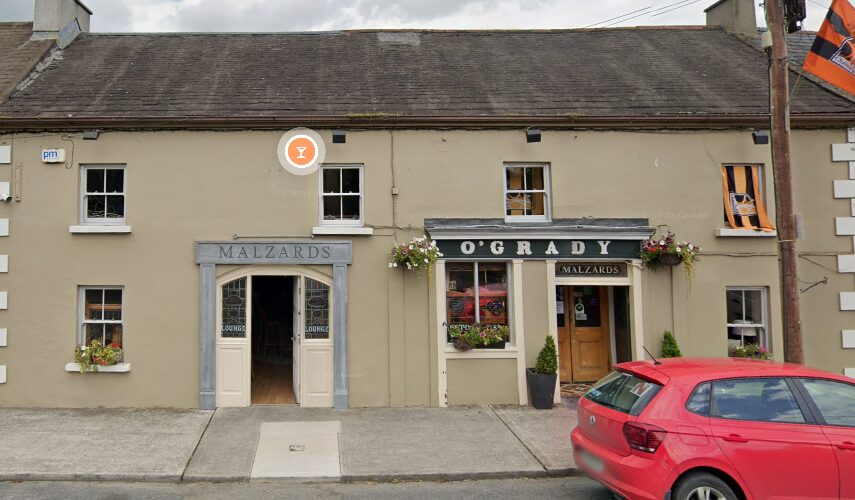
(689, 429)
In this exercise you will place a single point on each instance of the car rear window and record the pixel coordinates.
(623, 392)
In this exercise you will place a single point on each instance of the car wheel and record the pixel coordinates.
(703, 486)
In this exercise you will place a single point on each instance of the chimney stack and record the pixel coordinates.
(735, 16)
(60, 20)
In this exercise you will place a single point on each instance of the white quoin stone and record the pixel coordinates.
(848, 339)
(844, 226)
(5, 154)
(852, 169)
(4, 263)
(847, 301)
(2, 374)
(844, 189)
(846, 263)
(853, 207)
(850, 134)
(843, 152)
(849, 372)
(3, 337)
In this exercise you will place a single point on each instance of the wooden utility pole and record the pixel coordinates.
(784, 207)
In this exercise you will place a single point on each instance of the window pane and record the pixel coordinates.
(514, 178)
(535, 204)
(754, 307)
(93, 309)
(350, 180)
(113, 334)
(515, 204)
(234, 309)
(699, 402)
(586, 306)
(332, 207)
(95, 206)
(734, 305)
(350, 207)
(535, 178)
(835, 400)
(332, 182)
(460, 295)
(93, 332)
(113, 304)
(317, 310)
(115, 180)
(94, 180)
(759, 399)
(115, 206)
(493, 293)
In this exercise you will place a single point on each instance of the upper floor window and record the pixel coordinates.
(341, 195)
(744, 204)
(103, 194)
(526, 192)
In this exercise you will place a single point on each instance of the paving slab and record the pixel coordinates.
(98, 444)
(297, 450)
(431, 443)
(546, 433)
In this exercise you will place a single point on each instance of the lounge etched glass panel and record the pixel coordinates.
(317, 310)
(234, 309)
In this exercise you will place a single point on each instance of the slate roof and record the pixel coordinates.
(624, 72)
(18, 54)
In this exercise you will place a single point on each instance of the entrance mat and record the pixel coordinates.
(574, 390)
(297, 450)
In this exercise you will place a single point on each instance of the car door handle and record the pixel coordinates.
(734, 438)
(846, 445)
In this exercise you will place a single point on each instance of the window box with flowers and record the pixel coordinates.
(479, 336)
(98, 358)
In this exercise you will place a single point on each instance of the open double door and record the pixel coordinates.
(584, 349)
(311, 340)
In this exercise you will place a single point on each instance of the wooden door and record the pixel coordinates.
(233, 343)
(565, 372)
(316, 346)
(589, 333)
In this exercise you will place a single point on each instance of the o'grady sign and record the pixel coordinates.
(539, 249)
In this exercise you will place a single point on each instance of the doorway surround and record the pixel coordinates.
(338, 254)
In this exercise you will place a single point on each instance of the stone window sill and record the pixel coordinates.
(342, 231)
(726, 232)
(99, 229)
(507, 352)
(117, 368)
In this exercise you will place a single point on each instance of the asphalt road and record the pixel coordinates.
(517, 489)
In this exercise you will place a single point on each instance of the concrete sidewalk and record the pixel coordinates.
(372, 444)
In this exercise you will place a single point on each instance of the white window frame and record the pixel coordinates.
(81, 312)
(763, 339)
(509, 306)
(547, 188)
(102, 221)
(322, 195)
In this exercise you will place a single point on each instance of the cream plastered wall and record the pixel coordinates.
(822, 320)
(189, 186)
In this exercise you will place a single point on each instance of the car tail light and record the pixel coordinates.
(644, 437)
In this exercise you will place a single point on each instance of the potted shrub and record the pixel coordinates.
(543, 377)
(481, 336)
(670, 349)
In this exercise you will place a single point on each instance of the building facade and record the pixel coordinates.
(147, 208)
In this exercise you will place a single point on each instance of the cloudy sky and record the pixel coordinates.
(300, 15)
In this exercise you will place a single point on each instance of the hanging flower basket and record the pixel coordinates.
(666, 251)
(415, 255)
(670, 259)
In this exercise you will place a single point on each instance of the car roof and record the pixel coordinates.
(698, 369)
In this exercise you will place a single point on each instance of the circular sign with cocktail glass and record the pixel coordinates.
(301, 151)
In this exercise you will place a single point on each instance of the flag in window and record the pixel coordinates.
(744, 207)
(832, 56)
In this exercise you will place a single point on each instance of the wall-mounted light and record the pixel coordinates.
(91, 135)
(339, 137)
(532, 135)
(760, 137)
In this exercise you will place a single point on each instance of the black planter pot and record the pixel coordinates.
(541, 389)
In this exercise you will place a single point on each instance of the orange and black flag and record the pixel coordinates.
(744, 207)
(832, 56)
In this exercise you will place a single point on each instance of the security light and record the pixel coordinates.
(91, 135)
(532, 135)
(760, 137)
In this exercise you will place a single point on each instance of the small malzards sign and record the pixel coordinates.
(591, 269)
(301, 151)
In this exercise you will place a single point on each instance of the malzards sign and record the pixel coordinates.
(539, 249)
(591, 269)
